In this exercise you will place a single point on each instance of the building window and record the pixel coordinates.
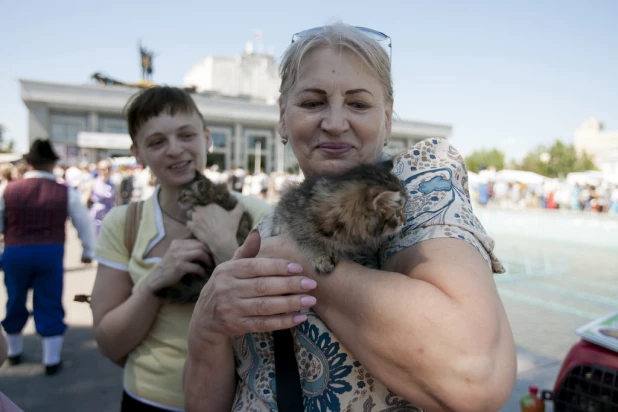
(254, 139)
(252, 163)
(65, 127)
(113, 124)
(218, 140)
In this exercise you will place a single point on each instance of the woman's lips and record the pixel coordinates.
(334, 149)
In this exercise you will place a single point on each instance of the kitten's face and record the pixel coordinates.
(368, 201)
(195, 192)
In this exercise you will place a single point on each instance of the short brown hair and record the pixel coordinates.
(146, 104)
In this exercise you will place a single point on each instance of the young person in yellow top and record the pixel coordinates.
(168, 135)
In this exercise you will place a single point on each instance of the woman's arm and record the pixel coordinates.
(431, 326)
(121, 319)
(243, 295)
(209, 378)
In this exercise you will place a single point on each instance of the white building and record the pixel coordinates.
(236, 96)
(251, 74)
(600, 144)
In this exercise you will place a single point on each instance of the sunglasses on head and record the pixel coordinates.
(382, 39)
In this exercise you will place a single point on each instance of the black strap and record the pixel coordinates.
(289, 391)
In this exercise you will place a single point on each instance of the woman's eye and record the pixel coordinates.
(155, 143)
(188, 135)
(312, 104)
(359, 105)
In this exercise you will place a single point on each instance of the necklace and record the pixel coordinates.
(184, 222)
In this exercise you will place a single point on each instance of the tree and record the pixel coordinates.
(485, 158)
(556, 161)
(5, 147)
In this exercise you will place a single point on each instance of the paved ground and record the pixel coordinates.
(551, 290)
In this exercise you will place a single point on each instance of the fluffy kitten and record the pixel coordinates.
(200, 192)
(348, 213)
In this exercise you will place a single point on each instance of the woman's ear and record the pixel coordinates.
(282, 129)
(208, 139)
(135, 153)
(389, 117)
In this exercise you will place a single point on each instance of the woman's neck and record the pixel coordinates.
(168, 200)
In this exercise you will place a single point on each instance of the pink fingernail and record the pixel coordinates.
(294, 268)
(299, 318)
(307, 301)
(308, 284)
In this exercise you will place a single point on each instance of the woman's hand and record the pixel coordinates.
(209, 223)
(248, 294)
(179, 260)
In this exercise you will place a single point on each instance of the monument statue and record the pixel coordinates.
(146, 59)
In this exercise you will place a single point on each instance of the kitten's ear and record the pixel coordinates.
(386, 200)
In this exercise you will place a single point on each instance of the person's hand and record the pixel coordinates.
(180, 259)
(248, 294)
(209, 223)
(285, 247)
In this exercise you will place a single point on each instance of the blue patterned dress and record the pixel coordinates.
(438, 206)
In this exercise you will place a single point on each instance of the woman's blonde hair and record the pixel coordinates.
(343, 36)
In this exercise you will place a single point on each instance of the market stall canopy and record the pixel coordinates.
(521, 176)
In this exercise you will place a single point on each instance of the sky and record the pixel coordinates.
(509, 75)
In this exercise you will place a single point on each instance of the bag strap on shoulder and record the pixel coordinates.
(131, 224)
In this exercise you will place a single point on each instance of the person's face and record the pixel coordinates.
(335, 116)
(104, 169)
(174, 147)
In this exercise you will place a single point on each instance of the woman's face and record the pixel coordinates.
(335, 117)
(174, 147)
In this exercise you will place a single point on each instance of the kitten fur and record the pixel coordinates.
(200, 192)
(350, 213)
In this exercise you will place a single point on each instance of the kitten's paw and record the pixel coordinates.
(325, 264)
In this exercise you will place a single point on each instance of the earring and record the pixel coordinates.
(385, 142)
(284, 141)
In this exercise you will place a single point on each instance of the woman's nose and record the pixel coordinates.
(335, 121)
(174, 147)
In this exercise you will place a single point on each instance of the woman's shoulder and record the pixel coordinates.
(429, 153)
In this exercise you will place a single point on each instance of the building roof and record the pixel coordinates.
(216, 108)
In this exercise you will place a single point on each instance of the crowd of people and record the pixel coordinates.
(510, 189)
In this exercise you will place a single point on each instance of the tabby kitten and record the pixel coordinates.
(201, 191)
(348, 213)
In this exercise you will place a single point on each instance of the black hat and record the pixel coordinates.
(41, 151)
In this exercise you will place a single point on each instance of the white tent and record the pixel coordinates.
(611, 178)
(590, 177)
(521, 176)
